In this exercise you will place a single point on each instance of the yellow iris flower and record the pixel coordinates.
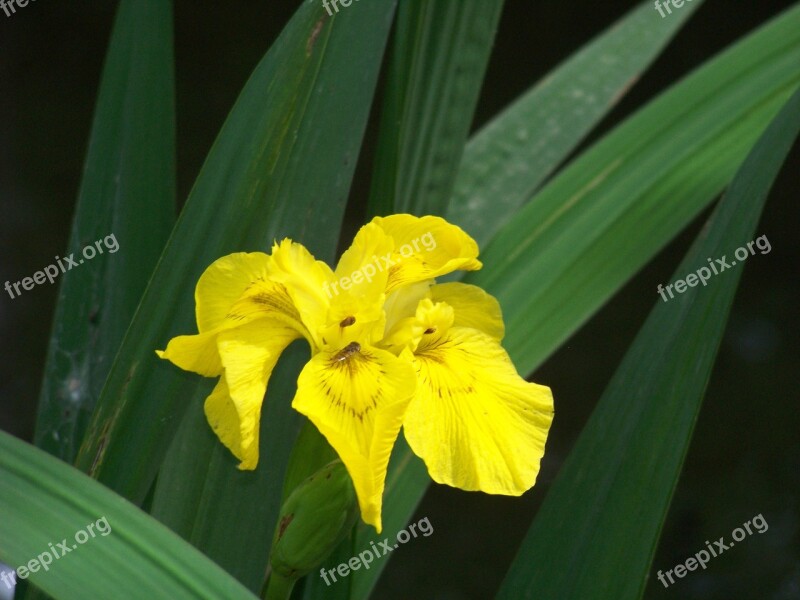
(390, 348)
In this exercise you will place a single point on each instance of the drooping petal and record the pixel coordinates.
(223, 417)
(474, 421)
(266, 299)
(425, 248)
(356, 397)
(307, 282)
(472, 306)
(248, 354)
(222, 283)
(196, 353)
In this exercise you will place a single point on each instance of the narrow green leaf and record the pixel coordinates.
(199, 486)
(596, 533)
(502, 167)
(125, 554)
(257, 185)
(612, 209)
(605, 215)
(127, 204)
(509, 158)
(439, 59)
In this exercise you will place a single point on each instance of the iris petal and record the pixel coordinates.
(356, 397)
(426, 247)
(248, 354)
(472, 306)
(223, 282)
(196, 353)
(474, 421)
(305, 280)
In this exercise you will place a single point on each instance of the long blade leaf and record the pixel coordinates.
(502, 166)
(603, 217)
(127, 204)
(256, 185)
(199, 486)
(119, 551)
(597, 530)
(439, 59)
(705, 124)
(509, 158)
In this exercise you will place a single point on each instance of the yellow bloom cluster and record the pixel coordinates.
(392, 350)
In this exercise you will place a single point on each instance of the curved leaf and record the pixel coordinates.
(46, 503)
(597, 530)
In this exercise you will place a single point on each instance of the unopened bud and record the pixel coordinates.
(315, 517)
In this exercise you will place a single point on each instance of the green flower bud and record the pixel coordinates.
(315, 517)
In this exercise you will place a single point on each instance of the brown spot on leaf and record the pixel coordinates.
(314, 35)
(285, 520)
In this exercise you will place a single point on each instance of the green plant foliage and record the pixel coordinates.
(597, 531)
(44, 501)
(128, 192)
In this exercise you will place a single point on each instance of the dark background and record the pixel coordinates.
(745, 455)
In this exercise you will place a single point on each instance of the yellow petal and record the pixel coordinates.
(472, 307)
(362, 270)
(356, 397)
(248, 354)
(428, 326)
(222, 283)
(425, 248)
(474, 421)
(402, 302)
(196, 353)
(306, 281)
(266, 299)
(224, 418)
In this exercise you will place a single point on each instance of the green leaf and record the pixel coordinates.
(127, 203)
(509, 158)
(257, 184)
(502, 168)
(439, 59)
(127, 555)
(597, 530)
(616, 205)
(605, 215)
(199, 486)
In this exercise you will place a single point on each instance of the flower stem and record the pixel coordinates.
(277, 587)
